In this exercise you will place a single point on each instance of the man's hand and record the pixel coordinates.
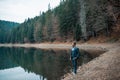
(74, 58)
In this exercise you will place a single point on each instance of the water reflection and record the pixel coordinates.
(17, 73)
(48, 64)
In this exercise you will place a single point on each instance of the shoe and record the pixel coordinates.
(73, 73)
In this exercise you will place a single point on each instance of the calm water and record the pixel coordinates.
(36, 64)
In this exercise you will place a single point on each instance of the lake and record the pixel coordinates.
(37, 64)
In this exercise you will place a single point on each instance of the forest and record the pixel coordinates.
(5, 30)
(70, 20)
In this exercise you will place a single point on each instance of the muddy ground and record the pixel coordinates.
(104, 67)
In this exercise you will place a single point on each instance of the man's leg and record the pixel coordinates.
(74, 66)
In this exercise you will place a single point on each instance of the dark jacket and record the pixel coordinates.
(75, 54)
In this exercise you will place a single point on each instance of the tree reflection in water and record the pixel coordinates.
(51, 64)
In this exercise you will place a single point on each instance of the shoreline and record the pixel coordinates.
(85, 46)
(104, 67)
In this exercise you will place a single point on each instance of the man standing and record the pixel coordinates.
(74, 56)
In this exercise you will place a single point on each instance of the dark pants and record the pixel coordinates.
(74, 62)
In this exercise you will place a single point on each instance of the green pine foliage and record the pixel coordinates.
(5, 30)
(72, 19)
(68, 14)
(43, 27)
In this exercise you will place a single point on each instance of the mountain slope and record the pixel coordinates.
(5, 28)
(71, 20)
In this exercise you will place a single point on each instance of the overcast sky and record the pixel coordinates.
(19, 10)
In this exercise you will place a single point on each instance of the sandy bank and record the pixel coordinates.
(84, 46)
(104, 67)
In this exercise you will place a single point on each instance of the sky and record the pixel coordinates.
(19, 10)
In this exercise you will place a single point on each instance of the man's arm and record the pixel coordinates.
(71, 55)
(78, 53)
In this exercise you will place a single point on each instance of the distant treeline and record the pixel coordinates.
(5, 30)
(71, 20)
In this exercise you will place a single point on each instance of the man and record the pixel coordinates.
(74, 56)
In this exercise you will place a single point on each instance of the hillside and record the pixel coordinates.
(104, 67)
(78, 20)
(5, 28)
(7, 25)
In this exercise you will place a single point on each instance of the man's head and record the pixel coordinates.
(74, 44)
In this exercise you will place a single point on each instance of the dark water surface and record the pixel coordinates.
(36, 64)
